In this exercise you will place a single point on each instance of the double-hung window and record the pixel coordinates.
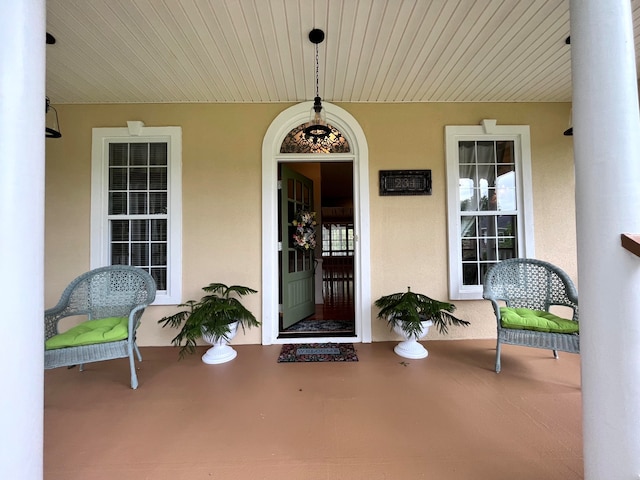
(489, 200)
(136, 203)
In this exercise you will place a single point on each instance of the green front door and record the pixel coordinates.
(296, 264)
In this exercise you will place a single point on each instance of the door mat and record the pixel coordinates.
(322, 326)
(318, 352)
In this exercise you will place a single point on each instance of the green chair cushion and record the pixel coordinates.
(526, 319)
(91, 332)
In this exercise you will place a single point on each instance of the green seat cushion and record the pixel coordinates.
(91, 332)
(541, 321)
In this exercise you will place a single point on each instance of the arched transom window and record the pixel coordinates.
(297, 142)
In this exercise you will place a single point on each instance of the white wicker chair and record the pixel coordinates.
(113, 291)
(536, 285)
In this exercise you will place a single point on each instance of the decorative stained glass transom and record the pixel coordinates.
(297, 142)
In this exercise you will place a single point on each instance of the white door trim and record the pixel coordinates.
(351, 130)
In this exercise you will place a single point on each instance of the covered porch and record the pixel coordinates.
(603, 155)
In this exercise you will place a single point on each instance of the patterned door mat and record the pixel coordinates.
(318, 352)
(322, 326)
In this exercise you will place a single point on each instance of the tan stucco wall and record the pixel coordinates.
(222, 197)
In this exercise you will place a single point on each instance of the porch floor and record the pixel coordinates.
(449, 416)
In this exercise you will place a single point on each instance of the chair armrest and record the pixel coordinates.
(51, 318)
(496, 310)
(134, 319)
(53, 315)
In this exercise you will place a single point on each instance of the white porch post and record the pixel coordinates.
(22, 110)
(606, 139)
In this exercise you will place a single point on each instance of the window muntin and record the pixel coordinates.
(138, 193)
(489, 199)
(487, 188)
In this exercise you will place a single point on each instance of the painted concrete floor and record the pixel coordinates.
(449, 416)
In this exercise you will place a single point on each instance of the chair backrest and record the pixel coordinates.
(530, 283)
(111, 291)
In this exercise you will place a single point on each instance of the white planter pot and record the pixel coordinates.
(410, 348)
(221, 351)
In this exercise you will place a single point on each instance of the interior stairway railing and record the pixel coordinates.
(337, 279)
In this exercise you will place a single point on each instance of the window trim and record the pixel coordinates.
(99, 250)
(487, 130)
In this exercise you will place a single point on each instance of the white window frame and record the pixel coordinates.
(137, 132)
(487, 130)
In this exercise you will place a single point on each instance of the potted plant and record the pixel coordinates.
(214, 318)
(410, 315)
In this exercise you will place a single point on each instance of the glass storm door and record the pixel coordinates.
(296, 265)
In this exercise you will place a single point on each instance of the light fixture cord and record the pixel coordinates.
(317, 84)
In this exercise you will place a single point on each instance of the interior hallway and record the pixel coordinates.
(449, 416)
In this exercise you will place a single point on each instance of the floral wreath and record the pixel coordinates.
(304, 236)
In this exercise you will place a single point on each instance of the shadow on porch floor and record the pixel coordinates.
(449, 416)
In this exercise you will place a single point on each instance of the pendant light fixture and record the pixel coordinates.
(569, 131)
(317, 129)
(52, 126)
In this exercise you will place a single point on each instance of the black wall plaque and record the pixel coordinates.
(405, 182)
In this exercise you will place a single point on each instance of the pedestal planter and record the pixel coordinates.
(221, 351)
(214, 318)
(410, 348)
(410, 315)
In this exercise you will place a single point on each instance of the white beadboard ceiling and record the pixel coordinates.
(227, 51)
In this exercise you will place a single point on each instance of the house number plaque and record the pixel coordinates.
(405, 182)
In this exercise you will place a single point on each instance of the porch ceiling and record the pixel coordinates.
(225, 51)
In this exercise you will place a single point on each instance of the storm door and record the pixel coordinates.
(297, 287)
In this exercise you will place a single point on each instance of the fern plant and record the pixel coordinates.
(407, 310)
(212, 314)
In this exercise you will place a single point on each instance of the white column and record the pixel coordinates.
(22, 109)
(606, 128)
